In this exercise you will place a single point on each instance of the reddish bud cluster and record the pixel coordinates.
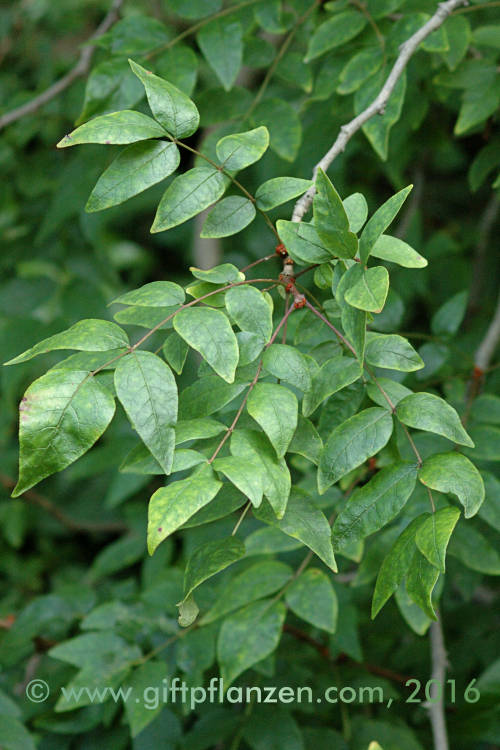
(299, 302)
(281, 251)
(477, 373)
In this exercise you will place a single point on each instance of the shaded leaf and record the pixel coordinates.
(335, 374)
(173, 505)
(454, 473)
(209, 559)
(424, 411)
(210, 333)
(221, 42)
(148, 392)
(62, 414)
(420, 581)
(338, 30)
(275, 409)
(171, 107)
(351, 443)
(137, 168)
(312, 598)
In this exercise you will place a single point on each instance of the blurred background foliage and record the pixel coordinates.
(80, 540)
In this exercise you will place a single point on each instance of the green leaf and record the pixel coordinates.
(291, 69)
(395, 250)
(258, 581)
(302, 242)
(225, 273)
(194, 9)
(379, 222)
(188, 195)
(356, 208)
(146, 679)
(447, 320)
(330, 219)
(338, 30)
(221, 42)
(275, 408)
(118, 128)
(229, 216)
(395, 565)
(490, 509)
(289, 364)
(141, 461)
(253, 445)
(335, 374)
(14, 735)
(146, 317)
(377, 129)
(304, 521)
(148, 392)
(209, 559)
(358, 69)
(175, 351)
(210, 333)
(248, 308)
(455, 474)
(433, 535)
(459, 36)
(394, 390)
(62, 414)
(86, 335)
(375, 504)
(283, 124)
(353, 320)
(392, 352)
(279, 190)
(370, 291)
(486, 408)
(473, 550)
(420, 581)
(171, 107)
(248, 636)
(351, 443)
(188, 612)
(424, 411)
(137, 168)
(180, 65)
(206, 396)
(312, 598)
(239, 150)
(173, 505)
(250, 345)
(247, 475)
(154, 294)
(111, 86)
(306, 441)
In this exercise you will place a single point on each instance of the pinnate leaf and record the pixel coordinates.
(312, 598)
(62, 414)
(229, 216)
(188, 195)
(375, 504)
(275, 408)
(137, 168)
(454, 473)
(118, 128)
(425, 411)
(248, 636)
(351, 443)
(86, 335)
(239, 150)
(433, 535)
(147, 390)
(210, 333)
(172, 108)
(174, 504)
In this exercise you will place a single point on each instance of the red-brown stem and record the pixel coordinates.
(256, 262)
(252, 385)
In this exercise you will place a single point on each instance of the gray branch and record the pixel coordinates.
(488, 345)
(378, 105)
(435, 705)
(80, 69)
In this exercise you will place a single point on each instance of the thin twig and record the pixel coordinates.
(80, 69)
(378, 105)
(435, 705)
(479, 268)
(78, 527)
